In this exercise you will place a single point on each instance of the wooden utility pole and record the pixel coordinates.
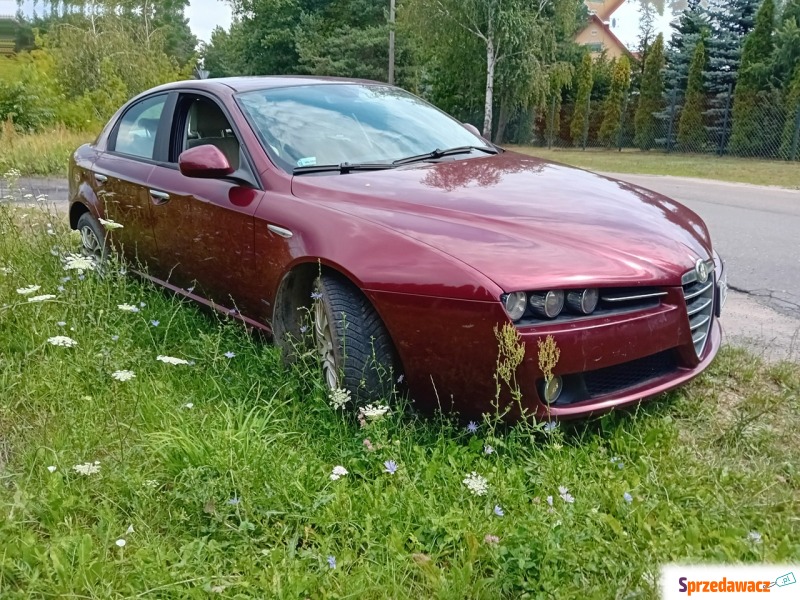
(391, 42)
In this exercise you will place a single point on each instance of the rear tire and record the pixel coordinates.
(93, 239)
(353, 346)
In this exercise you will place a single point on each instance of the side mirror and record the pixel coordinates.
(204, 162)
(472, 129)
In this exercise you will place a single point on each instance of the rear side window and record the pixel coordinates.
(136, 132)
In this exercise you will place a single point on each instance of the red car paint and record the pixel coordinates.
(432, 245)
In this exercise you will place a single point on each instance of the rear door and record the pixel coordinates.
(120, 176)
(205, 227)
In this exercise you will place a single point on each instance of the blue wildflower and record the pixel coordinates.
(472, 427)
(498, 510)
(391, 467)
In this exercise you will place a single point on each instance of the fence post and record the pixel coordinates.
(796, 139)
(586, 122)
(552, 124)
(724, 136)
(622, 122)
(672, 107)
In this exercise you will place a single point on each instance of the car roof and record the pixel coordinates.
(247, 84)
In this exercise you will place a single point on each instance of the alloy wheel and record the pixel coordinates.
(323, 337)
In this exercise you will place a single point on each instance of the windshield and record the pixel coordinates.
(330, 124)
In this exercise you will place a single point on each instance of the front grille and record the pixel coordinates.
(630, 374)
(699, 306)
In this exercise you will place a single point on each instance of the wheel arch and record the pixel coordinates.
(294, 294)
(75, 211)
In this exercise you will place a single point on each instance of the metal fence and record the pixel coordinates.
(765, 127)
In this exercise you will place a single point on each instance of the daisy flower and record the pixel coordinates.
(62, 340)
(25, 291)
(123, 375)
(476, 484)
(171, 360)
(338, 472)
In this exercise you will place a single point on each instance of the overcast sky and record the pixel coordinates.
(205, 15)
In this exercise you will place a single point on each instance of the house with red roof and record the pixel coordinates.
(597, 35)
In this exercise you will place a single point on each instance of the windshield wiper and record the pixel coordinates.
(344, 167)
(442, 153)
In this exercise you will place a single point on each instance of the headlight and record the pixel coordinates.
(583, 302)
(548, 304)
(515, 303)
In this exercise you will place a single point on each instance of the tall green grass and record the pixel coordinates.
(44, 153)
(216, 474)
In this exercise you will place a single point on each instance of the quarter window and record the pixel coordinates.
(136, 134)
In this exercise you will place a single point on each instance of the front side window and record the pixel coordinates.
(136, 133)
(204, 123)
(336, 123)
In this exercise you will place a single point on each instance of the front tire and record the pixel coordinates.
(353, 346)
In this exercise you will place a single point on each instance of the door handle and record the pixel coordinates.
(284, 233)
(159, 197)
(101, 179)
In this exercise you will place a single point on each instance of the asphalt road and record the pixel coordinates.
(755, 229)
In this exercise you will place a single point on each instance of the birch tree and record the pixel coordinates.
(521, 30)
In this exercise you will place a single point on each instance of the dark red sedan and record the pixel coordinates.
(398, 241)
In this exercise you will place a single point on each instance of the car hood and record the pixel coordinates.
(523, 222)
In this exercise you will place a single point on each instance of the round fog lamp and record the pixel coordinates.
(583, 302)
(553, 389)
(514, 304)
(549, 304)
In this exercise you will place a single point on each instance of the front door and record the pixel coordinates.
(205, 227)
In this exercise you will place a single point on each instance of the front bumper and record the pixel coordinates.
(449, 351)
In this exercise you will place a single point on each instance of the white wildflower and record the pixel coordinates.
(79, 262)
(476, 484)
(87, 468)
(171, 360)
(373, 412)
(565, 495)
(189, 405)
(338, 471)
(62, 340)
(42, 298)
(339, 397)
(52, 468)
(129, 530)
(109, 224)
(128, 308)
(120, 542)
(754, 537)
(6, 270)
(28, 290)
(123, 375)
(150, 483)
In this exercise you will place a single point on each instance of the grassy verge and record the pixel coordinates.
(704, 166)
(43, 153)
(214, 476)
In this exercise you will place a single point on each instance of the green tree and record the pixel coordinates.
(615, 102)
(792, 105)
(749, 135)
(787, 46)
(580, 118)
(517, 32)
(650, 97)
(691, 129)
